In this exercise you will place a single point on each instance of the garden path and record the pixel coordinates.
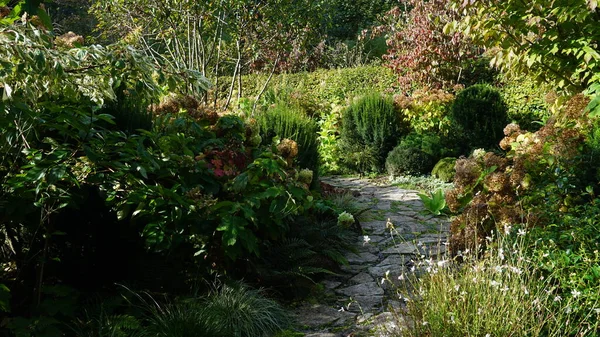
(356, 302)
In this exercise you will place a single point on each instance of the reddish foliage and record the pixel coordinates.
(419, 50)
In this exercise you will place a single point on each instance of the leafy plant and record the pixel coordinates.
(435, 202)
(421, 52)
(371, 122)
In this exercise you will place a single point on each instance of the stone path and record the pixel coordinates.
(356, 302)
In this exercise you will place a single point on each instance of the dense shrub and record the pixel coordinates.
(372, 122)
(285, 122)
(480, 114)
(444, 169)
(430, 143)
(526, 103)
(406, 159)
(542, 176)
(426, 110)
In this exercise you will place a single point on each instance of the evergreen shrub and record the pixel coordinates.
(406, 159)
(283, 121)
(479, 114)
(372, 122)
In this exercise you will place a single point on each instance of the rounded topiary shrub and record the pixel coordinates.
(372, 122)
(480, 115)
(285, 122)
(407, 160)
(444, 169)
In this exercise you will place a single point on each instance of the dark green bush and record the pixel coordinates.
(479, 115)
(430, 143)
(444, 169)
(372, 122)
(283, 121)
(405, 159)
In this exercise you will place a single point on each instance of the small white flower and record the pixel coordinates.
(516, 270)
(401, 277)
(597, 310)
(366, 239)
(498, 269)
(557, 298)
(341, 309)
(457, 287)
(521, 232)
(425, 323)
(442, 263)
(382, 281)
(419, 244)
(507, 229)
(575, 293)
(495, 284)
(505, 289)
(488, 335)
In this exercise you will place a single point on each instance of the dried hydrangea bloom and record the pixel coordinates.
(496, 182)
(288, 149)
(69, 40)
(467, 171)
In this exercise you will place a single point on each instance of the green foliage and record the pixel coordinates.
(561, 53)
(4, 298)
(283, 122)
(315, 246)
(226, 311)
(435, 202)
(444, 169)
(567, 253)
(371, 122)
(499, 293)
(239, 311)
(525, 101)
(329, 150)
(326, 86)
(426, 110)
(405, 159)
(480, 115)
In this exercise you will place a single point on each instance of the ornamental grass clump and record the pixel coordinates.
(501, 292)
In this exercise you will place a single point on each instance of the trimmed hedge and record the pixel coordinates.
(329, 85)
(526, 103)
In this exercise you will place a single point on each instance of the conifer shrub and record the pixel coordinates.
(372, 122)
(479, 114)
(285, 122)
